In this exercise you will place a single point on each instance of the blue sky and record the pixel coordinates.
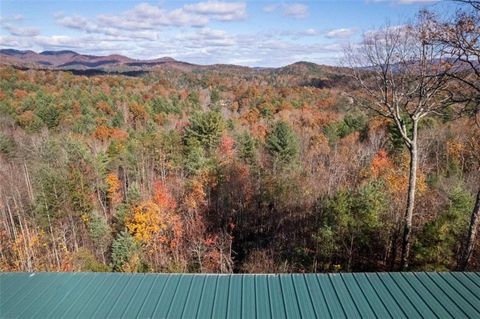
(253, 33)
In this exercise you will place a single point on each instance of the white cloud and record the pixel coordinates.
(340, 33)
(416, 1)
(21, 31)
(145, 16)
(148, 15)
(110, 26)
(202, 46)
(223, 11)
(144, 22)
(295, 10)
(15, 42)
(10, 18)
(205, 38)
(310, 32)
(78, 23)
(10, 24)
(185, 33)
(61, 41)
(405, 1)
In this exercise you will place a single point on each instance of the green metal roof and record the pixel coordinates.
(359, 295)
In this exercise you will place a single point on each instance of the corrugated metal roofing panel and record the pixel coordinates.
(207, 298)
(468, 309)
(220, 303)
(262, 297)
(396, 279)
(344, 297)
(333, 303)
(277, 305)
(151, 299)
(384, 307)
(289, 297)
(358, 295)
(249, 293)
(317, 297)
(361, 301)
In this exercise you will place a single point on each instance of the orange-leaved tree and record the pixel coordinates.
(158, 228)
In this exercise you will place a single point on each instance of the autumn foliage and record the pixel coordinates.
(219, 171)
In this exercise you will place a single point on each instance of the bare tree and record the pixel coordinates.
(401, 74)
(475, 4)
(460, 40)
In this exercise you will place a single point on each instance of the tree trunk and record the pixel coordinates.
(393, 248)
(412, 181)
(472, 234)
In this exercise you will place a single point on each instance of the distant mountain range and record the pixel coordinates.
(299, 73)
(70, 60)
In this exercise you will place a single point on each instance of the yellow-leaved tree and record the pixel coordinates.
(158, 228)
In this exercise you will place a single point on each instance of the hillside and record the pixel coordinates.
(216, 169)
(70, 60)
(67, 59)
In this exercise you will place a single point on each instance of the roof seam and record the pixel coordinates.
(255, 294)
(270, 304)
(353, 299)
(368, 301)
(336, 295)
(476, 284)
(378, 296)
(20, 301)
(445, 293)
(200, 297)
(241, 294)
(20, 289)
(467, 288)
(310, 296)
(390, 293)
(160, 296)
(93, 294)
(58, 303)
(214, 295)
(460, 294)
(133, 297)
(80, 295)
(283, 300)
(45, 301)
(186, 298)
(433, 295)
(174, 295)
(145, 299)
(406, 295)
(228, 297)
(420, 295)
(119, 296)
(323, 295)
(296, 297)
(12, 297)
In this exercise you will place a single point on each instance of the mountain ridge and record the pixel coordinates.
(71, 60)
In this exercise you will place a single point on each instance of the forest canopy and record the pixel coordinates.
(250, 171)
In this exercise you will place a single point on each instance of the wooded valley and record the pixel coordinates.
(304, 168)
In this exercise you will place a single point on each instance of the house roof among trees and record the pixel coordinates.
(350, 295)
